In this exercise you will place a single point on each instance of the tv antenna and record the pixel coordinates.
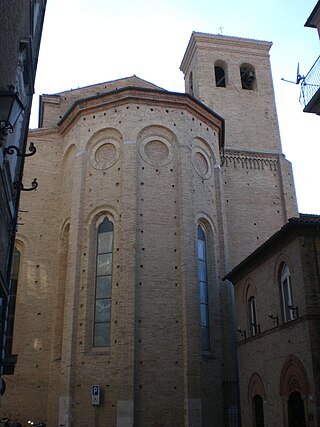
(299, 78)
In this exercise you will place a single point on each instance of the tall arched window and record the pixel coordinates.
(254, 327)
(257, 408)
(286, 294)
(203, 285)
(102, 315)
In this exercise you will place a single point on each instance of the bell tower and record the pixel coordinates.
(232, 76)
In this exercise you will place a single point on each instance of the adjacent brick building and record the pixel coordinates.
(277, 293)
(146, 199)
(21, 25)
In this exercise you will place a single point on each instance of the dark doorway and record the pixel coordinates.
(296, 410)
(257, 404)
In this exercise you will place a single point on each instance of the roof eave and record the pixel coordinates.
(146, 94)
(310, 21)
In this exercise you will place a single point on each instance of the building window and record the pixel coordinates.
(254, 327)
(287, 304)
(247, 75)
(203, 286)
(102, 315)
(257, 407)
(26, 62)
(220, 76)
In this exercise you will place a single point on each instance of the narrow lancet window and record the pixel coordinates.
(254, 327)
(102, 316)
(288, 309)
(203, 285)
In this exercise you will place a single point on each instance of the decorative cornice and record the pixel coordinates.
(143, 96)
(246, 160)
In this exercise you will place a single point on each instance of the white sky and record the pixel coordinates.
(88, 42)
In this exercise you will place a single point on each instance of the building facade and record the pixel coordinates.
(21, 25)
(146, 199)
(277, 302)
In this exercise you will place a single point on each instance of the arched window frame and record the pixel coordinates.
(202, 255)
(250, 300)
(103, 283)
(293, 379)
(256, 388)
(286, 294)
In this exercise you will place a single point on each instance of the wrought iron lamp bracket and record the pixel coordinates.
(12, 148)
(19, 186)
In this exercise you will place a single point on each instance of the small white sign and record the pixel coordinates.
(95, 394)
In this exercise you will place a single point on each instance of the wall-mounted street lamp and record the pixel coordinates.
(10, 109)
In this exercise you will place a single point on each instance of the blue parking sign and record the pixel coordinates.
(95, 394)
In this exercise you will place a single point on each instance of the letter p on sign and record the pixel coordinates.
(95, 394)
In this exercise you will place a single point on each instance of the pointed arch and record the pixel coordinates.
(293, 377)
(294, 390)
(282, 259)
(257, 397)
(283, 280)
(249, 290)
(256, 387)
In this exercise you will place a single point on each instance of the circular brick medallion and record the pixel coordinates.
(104, 154)
(201, 163)
(156, 151)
